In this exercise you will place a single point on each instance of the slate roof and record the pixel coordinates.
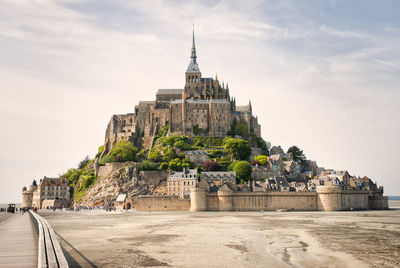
(217, 175)
(121, 198)
(197, 152)
(54, 182)
(169, 91)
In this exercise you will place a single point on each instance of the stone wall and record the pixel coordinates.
(325, 199)
(161, 203)
(378, 202)
(153, 177)
(110, 167)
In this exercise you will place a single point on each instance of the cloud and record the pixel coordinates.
(320, 75)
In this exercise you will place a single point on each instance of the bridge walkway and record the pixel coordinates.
(18, 242)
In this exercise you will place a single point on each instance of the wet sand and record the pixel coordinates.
(231, 239)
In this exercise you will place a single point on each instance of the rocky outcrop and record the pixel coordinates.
(117, 178)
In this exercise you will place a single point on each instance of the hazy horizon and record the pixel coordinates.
(322, 75)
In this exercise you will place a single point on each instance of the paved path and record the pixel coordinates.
(18, 242)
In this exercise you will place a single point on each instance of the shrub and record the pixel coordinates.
(243, 171)
(87, 181)
(84, 162)
(211, 166)
(163, 166)
(178, 164)
(155, 155)
(237, 148)
(123, 151)
(147, 165)
(143, 154)
(261, 159)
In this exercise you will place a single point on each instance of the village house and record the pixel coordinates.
(180, 183)
(293, 169)
(49, 192)
(260, 172)
(218, 178)
(277, 165)
(122, 202)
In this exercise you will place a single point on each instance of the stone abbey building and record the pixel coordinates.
(203, 107)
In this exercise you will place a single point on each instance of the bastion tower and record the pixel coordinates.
(203, 107)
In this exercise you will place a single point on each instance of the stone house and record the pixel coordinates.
(282, 184)
(218, 178)
(260, 172)
(292, 168)
(48, 189)
(276, 150)
(180, 183)
(122, 202)
(277, 165)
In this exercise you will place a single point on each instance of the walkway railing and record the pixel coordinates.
(49, 250)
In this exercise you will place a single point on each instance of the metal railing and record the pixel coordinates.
(50, 253)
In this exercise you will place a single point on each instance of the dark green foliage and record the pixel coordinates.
(147, 165)
(216, 153)
(123, 151)
(298, 154)
(182, 145)
(178, 164)
(196, 130)
(207, 142)
(243, 170)
(155, 155)
(237, 148)
(87, 181)
(142, 155)
(238, 128)
(169, 154)
(163, 166)
(84, 162)
(223, 163)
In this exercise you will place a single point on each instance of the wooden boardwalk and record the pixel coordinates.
(18, 242)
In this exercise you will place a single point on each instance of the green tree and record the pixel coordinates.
(262, 159)
(163, 166)
(237, 148)
(147, 165)
(121, 152)
(179, 164)
(298, 154)
(84, 162)
(242, 130)
(155, 155)
(243, 170)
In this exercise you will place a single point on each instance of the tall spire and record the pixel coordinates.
(193, 56)
(193, 67)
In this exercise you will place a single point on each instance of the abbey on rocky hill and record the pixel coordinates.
(202, 108)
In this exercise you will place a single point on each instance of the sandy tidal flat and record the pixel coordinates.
(230, 239)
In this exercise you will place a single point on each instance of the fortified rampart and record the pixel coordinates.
(161, 203)
(324, 199)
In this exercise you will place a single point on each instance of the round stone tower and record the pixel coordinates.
(329, 198)
(198, 197)
(225, 198)
(27, 196)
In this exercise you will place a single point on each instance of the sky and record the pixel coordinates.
(322, 75)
